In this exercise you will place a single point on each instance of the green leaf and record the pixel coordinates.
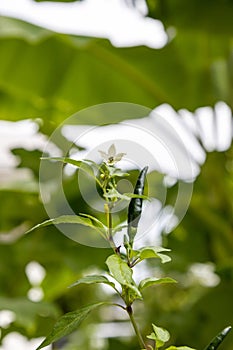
(160, 335)
(96, 221)
(123, 274)
(69, 219)
(179, 348)
(119, 270)
(152, 252)
(68, 323)
(150, 281)
(93, 279)
(113, 193)
(119, 173)
(81, 164)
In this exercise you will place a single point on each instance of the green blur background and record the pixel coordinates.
(48, 76)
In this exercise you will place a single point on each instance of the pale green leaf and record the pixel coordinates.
(96, 221)
(80, 164)
(161, 333)
(119, 173)
(93, 279)
(164, 258)
(150, 281)
(160, 336)
(112, 193)
(68, 323)
(152, 252)
(133, 195)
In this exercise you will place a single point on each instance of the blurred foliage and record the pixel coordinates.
(50, 76)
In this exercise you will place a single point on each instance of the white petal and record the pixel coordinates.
(112, 151)
(119, 156)
(104, 155)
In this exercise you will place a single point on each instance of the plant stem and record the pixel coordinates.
(107, 207)
(135, 327)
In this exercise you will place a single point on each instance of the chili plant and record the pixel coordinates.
(120, 264)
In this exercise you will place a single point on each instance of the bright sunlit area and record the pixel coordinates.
(112, 19)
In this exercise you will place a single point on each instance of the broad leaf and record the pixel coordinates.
(69, 219)
(68, 323)
(30, 91)
(120, 270)
(93, 279)
(123, 274)
(151, 281)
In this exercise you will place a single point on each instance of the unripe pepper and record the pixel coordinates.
(218, 339)
(135, 206)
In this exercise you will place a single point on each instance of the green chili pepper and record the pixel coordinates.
(218, 339)
(135, 206)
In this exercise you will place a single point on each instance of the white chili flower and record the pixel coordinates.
(111, 157)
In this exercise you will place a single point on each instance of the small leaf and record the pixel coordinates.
(160, 336)
(150, 281)
(152, 252)
(118, 172)
(133, 195)
(113, 193)
(68, 323)
(161, 333)
(93, 279)
(179, 348)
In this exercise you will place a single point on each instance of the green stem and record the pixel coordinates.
(135, 327)
(107, 207)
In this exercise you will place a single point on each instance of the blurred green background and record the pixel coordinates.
(46, 77)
